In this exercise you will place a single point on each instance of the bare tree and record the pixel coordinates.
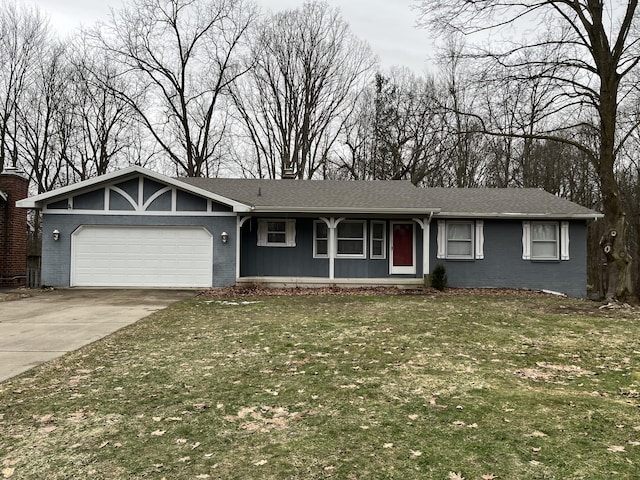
(23, 32)
(39, 117)
(588, 50)
(462, 144)
(102, 130)
(180, 56)
(394, 133)
(307, 70)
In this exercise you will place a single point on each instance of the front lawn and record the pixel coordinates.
(471, 385)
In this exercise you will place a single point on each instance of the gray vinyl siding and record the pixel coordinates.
(56, 256)
(503, 266)
(295, 261)
(298, 261)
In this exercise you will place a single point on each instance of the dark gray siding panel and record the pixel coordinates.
(295, 261)
(130, 186)
(89, 201)
(56, 256)
(298, 261)
(118, 202)
(150, 187)
(503, 266)
(186, 202)
(162, 203)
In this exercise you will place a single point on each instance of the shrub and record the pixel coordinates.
(439, 277)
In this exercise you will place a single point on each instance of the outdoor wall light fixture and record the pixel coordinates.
(224, 236)
(56, 235)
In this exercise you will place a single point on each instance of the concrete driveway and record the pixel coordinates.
(38, 326)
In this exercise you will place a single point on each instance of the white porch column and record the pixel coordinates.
(424, 224)
(332, 224)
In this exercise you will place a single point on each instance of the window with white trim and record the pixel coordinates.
(460, 239)
(320, 239)
(545, 240)
(276, 232)
(378, 240)
(351, 239)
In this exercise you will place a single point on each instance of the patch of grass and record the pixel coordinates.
(437, 386)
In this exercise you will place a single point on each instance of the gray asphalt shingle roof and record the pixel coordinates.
(367, 196)
(328, 195)
(502, 202)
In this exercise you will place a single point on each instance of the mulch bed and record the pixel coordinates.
(262, 291)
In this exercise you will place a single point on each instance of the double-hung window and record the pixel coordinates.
(461, 239)
(351, 239)
(545, 240)
(276, 232)
(320, 239)
(378, 246)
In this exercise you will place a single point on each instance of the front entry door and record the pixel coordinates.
(403, 252)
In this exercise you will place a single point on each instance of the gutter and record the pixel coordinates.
(346, 210)
(555, 216)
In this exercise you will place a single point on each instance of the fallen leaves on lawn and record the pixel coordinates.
(536, 434)
(158, 433)
(8, 472)
(616, 448)
(455, 476)
(263, 419)
(489, 476)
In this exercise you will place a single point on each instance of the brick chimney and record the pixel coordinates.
(14, 186)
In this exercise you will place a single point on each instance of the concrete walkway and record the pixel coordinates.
(38, 326)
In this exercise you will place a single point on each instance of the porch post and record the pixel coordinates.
(332, 224)
(424, 224)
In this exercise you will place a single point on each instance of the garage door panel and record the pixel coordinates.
(142, 257)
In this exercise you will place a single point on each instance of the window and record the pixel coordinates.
(320, 239)
(378, 239)
(276, 233)
(545, 240)
(351, 239)
(461, 240)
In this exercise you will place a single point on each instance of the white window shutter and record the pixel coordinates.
(479, 239)
(291, 233)
(564, 240)
(526, 240)
(262, 232)
(442, 239)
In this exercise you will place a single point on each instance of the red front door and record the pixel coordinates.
(403, 255)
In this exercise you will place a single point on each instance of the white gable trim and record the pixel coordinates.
(109, 178)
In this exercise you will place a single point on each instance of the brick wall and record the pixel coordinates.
(13, 229)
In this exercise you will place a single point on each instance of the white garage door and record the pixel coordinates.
(105, 256)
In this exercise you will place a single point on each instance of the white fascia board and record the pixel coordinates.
(553, 216)
(37, 200)
(3, 196)
(343, 210)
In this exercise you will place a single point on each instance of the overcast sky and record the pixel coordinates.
(388, 25)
